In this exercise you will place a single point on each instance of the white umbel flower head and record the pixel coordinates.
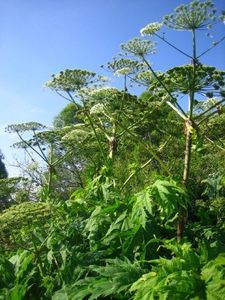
(124, 71)
(151, 28)
(97, 109)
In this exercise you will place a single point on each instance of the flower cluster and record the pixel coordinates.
(151, 28)
(195, 15)
(139, 47)
(102, 94)
(145, 78)
(103, 90)
(97, 109)
(124, 71)
(124, 66)
(71, 80)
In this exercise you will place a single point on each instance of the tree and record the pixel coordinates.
(67, 116)
(3, 172)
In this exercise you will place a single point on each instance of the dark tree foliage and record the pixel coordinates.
(3, 193)
(67, 116)
(3, 171)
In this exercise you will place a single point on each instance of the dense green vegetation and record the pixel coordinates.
(124, 198)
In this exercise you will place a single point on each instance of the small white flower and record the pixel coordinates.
(151, 28)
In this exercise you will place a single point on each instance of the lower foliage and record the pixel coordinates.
(122, 248)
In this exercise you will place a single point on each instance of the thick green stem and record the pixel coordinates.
(187, 161)
(50, 170)
(189, 122)
(188, 144)
(113, 141)
(96, 136)
(187, 157)
(125, 83)
(37, 256)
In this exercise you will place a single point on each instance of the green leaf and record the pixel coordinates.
(143, 205)
(169, 197)
(61, 295)
(213, 273)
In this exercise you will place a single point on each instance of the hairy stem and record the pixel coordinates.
(188, 143)
(96, 136)
(50, 171)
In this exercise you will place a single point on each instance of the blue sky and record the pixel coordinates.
(39, 38)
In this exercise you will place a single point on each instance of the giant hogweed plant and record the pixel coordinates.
(186, 80)
(40, 143)
(104, 245)
(108, 115)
